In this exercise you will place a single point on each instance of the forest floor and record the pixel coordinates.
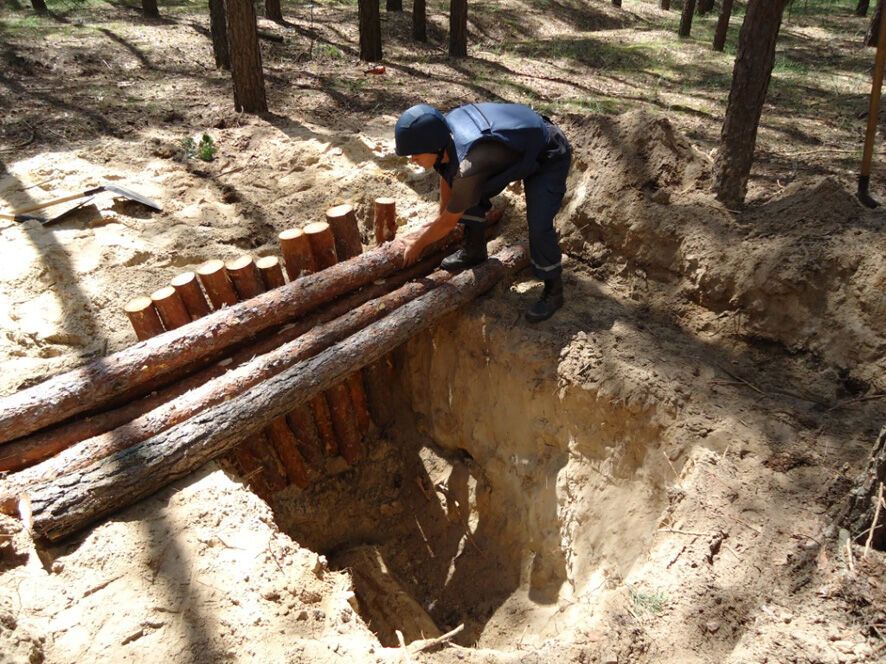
(651, 476)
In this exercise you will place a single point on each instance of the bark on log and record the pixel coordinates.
(379, 381)
(65, 506)
(271, 272)
(170, 307)
(143, 366)
(305, 429)
(188, 289)
(322, 241)
(32, 449)
(218, 285)
(144, 318)
(323, 420)
(245, 277)
(358, 399)
(286, 446)
(385, 220)
(297, 255)
(857, 514)
(343, 222)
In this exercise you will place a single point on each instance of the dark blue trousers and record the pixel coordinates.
(544, 191)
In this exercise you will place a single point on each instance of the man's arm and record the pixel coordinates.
(428, 234)
(445, 195)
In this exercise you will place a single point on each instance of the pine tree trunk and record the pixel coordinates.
(616, 3)
(370, 30)
(665, 5)
(723, 25)
(394, 5)
(874, 29)
(149, 7)
(219, 30)
(686, 18)
(39, 6)
(419, 20)
(750, 81)
(705, 6)
(458, 28)
(861, 9)
(273, 11)
(246, 66)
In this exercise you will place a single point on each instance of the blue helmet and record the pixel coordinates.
(422, 128)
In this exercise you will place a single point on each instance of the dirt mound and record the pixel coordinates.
(805, 270)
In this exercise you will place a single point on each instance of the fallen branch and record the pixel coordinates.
(69, 503)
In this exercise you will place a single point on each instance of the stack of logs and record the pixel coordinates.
(292, 449)
(275, 376)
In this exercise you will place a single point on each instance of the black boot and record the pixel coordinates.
(473, 251)
(551, 300)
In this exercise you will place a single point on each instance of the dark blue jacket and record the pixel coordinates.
(517, 126)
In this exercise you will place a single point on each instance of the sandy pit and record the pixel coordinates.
(651, 476)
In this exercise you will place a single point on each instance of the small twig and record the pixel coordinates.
(732, 551)
(691, 533)
(427, 644)
(746, 382)
(867, 546)
(869, 397)
(420, 530)
(849, 555)
(13, 148)
(668, 459)
(747, 525)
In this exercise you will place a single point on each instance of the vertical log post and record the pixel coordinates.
(379, 376)
(248, 283)
(144, 318)
(343, 222)
(170, 307)
(245, 277)
(214, 277)
(297, 254)
(322, 242)
(188, 289)
(301, 421)
(385, 220)
(338, 398)
(271, 272)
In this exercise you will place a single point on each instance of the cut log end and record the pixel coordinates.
(170, 307)
(144, 318)
(271, 272)
(218, 286)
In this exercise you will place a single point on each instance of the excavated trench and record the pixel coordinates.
(500, 497)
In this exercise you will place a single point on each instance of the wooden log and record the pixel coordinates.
(245, 277)
(286, 446)
(202, 394)
(188, 289)
(37, 447)
(170, 307)
(297, 255)
(142, 367)
(144, 318)
(214, 277)
(379, 381)
(323, 419)
(301, 421)
(62, 507)
(343, 222)
(271, 272)
(358, 399)
(344, 423)
(259, 466)
(385, 220)
(322, 241)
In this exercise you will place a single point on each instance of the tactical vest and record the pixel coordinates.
(517, 126)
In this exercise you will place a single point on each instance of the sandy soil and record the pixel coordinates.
(649, 477)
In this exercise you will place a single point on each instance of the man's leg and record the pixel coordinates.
(544, 195)
(473, 251)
